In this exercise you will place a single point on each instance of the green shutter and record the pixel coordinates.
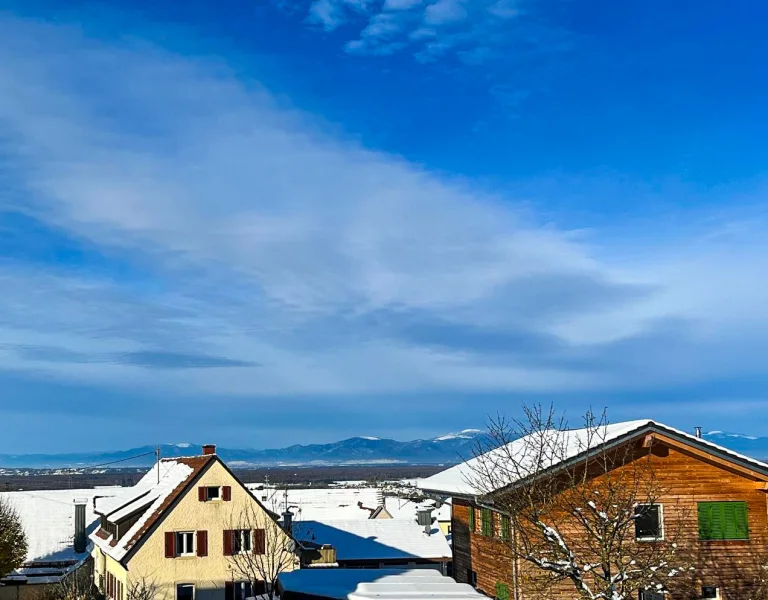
(723, 521)
(505, 528)
(502, 591)
(487, 523)
(471, 518)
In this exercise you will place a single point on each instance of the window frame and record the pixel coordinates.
(180, 535)
(190, 585)
(714, 587)
(208, 497)
(242, 538)
(660, 537)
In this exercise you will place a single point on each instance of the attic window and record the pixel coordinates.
(213, 492)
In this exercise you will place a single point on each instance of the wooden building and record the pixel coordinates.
(719, 499)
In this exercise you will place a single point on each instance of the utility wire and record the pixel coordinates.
(114, 462)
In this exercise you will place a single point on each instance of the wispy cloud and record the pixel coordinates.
(231, 242)
(473, 31)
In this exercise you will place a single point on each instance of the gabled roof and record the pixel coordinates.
(573, 445)
(376, 539)
(150, 497)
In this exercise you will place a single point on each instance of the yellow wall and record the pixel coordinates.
(207, 573)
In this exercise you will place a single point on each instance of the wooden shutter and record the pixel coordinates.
(228, 542)
(735, 520)
(487, 522)
(202, 543)
(259, 541)
(202, 493)
(723, 521)
(472, 518)
(226, 493)
(504, 527)
(229, 590)
(170, 544)
(502, 591)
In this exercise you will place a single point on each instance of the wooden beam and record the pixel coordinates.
(648, 440)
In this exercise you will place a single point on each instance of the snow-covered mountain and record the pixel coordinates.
(445, 449)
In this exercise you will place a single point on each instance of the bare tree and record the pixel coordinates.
(142, 589)
(13, 540)
(261, 550)
(574, 523)
(77, 585)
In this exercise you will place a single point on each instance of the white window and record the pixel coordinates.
(213, 492)
(185, 543)
(649, 522)
(241, 541)
(185, 591)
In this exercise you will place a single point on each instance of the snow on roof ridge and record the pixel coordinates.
(454, 479)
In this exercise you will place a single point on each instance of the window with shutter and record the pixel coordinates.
(259, 541)
(487, 522)
(202, 493)
(505, 528)
(170, 544)
(228, 542)
(472, 518)
(226, 493)
(723, 521)
(502, 591)
(202, 543)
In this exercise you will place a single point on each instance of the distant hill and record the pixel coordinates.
(441, 450)
(445, 449)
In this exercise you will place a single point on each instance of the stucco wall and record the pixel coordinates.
(208, 573)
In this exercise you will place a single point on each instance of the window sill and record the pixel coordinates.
(187, 556)
(649, 540)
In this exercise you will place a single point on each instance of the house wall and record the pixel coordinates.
(686, 479)
(208, 573)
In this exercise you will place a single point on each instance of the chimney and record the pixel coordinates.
(424, 518)
(209, 449)
(380, 498)
(288, 522)
(80, 539)
(698, 432)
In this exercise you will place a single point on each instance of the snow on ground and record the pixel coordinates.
(48, 518)
(314, 504)
(401, 508)
(376, 539)
(378, 584)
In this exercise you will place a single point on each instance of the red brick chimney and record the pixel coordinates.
(209, 449)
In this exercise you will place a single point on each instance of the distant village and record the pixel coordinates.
(623, 511)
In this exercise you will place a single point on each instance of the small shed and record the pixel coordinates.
(372, 584)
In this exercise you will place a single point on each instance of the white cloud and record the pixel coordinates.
(426, 28)
(252, 237)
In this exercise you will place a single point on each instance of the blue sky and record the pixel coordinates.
(275, 222)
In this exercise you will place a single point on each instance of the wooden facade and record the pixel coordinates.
(688, 476)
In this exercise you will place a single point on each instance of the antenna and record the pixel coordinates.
(157, 454)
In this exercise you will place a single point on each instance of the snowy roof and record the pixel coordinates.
(148, 495)
(373, 539)
(570, 444)
(378, 584)
(48, 519)
(314, 504)
(402, 508)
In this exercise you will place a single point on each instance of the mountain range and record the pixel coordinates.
(442, 450)
(445, 449)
